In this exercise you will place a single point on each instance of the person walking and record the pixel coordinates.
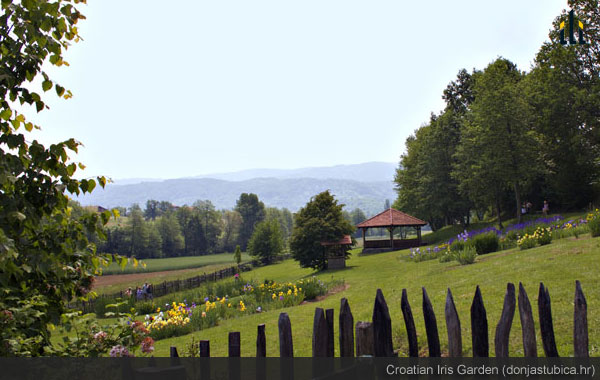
(546, 208)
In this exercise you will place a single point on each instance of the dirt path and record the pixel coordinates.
(332, 291)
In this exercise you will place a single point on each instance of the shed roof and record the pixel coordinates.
(391, 218)
(346, 240)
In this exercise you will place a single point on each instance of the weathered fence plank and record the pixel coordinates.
(527, 324)
(433, 338)
(319, 338)
(365, 342)
(453, 327)
(234, 344)
(346, 321)
(286, 346)
(261, 342)
(479, 327)
(330, 331)
(204, 349)
(409, 322)
(580, 325)
(505, 323)
(382, 327)
(546, 326)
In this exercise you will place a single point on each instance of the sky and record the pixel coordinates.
(197, 87)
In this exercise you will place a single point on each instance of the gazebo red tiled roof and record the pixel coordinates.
(346, 240)
(391, 218)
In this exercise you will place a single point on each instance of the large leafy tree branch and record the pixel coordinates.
(45, 256)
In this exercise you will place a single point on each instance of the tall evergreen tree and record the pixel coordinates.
(320, 220)
(252, 211)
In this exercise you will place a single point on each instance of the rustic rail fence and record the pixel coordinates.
(375, 338)
(168, 287)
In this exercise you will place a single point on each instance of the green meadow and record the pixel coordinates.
(557, 265)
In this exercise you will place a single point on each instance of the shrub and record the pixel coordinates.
(466, 256)
(486, 243)
(447, 256)
(512, 236)
(544, 235)
(146, 307)
(527, 242)
(593, 221)
(457, 245)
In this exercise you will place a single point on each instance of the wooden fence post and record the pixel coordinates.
(346, 321)
(261, 342)
(234, 345)
(409, 322)
(286, 346)
(433, 338)
(174, 356)
(479, 327)
(204, 349)
(365, 345)
(330, 333)
(527, 324)
(546, 327)
(505, 323)
(453, 327)
(319, 338)
(382, 327)
(580, 326)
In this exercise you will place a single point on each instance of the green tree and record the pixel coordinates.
(154, 249)
(253, 212)
(210, 225)
(231, 221)
(237, 255)
(319, 220)
(138, 232)
(170, 233)
(151, 211)
(45, 257)
(498, 148)
(266, 241)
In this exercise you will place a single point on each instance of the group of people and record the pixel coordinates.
(143, 293)
(527, 206)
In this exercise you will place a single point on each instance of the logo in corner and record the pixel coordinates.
(573, 24)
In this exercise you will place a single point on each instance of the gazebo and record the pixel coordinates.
(336, 252)
(391, 219)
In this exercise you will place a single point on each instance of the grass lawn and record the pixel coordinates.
(557, 265)
(174, 263)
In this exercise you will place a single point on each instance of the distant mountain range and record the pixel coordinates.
(366, 186)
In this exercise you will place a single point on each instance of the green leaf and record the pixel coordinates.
(46, 85)
(60, 90)
(6, 114)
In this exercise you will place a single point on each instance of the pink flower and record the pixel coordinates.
(236, 276)
(147, 345)
(100, 336)
(119, 351)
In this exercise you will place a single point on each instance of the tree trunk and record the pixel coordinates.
(518, 200)
(498, 211)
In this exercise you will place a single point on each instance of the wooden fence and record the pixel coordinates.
(375, 338)
(167, 287)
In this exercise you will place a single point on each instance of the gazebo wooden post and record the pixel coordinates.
(391, 229)
(364, 236)
(419, 235)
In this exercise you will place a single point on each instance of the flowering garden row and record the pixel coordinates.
(468, 244)
(241, 298)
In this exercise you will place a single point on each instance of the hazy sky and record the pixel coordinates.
(181, 88)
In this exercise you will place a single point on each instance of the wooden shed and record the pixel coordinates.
(336, 252)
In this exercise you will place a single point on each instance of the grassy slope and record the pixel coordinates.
(557, 265)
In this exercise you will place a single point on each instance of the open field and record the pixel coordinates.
(175, 263)
(119, 282)
(557, 265)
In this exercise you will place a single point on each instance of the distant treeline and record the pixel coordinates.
(162, 229)
(509, 140)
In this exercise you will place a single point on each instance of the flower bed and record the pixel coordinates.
(180, 318)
